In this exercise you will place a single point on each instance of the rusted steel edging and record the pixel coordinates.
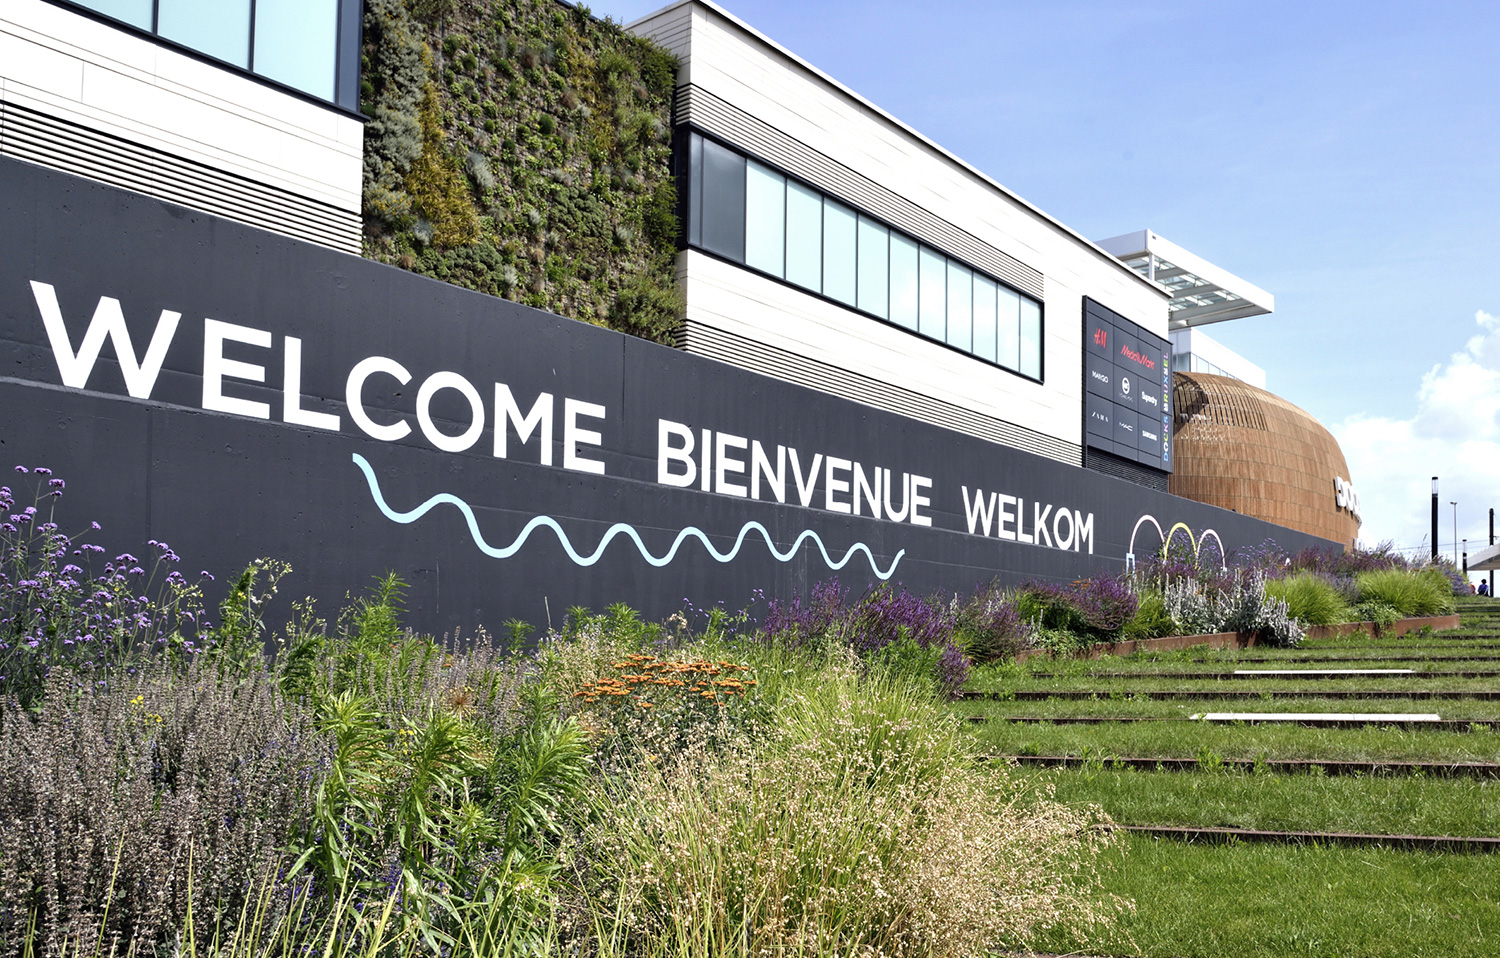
(1285, 766)
(1280, 674)
(1240, 640)
(1263, 659)
(1090, 695)
(1441, 725)
(1429, 843)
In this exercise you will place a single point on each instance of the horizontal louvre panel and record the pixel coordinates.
(703, 340)
(35, 137)
(702, 109)
(1112, 465)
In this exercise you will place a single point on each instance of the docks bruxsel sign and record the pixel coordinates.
(240, 394)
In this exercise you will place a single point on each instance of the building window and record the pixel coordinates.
(756, 216)
(308, 45)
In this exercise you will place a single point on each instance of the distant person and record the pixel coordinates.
(1484, 587)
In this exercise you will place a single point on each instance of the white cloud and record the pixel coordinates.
(1454, 434)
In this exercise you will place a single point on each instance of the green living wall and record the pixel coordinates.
(522, 148)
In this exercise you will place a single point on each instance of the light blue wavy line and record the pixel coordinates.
(619, 528)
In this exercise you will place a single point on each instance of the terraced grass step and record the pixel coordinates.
(1350, 718)
(1375, 657)
(1076, 695)
(1313, 720)
(1280, 674)
(1425, 843)
(1372, 745)
(1484, 770)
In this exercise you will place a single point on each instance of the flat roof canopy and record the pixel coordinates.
(1485, 559)
(1201, 292)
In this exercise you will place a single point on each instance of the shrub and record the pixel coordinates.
(1420, 593)
(1151, 619)
(990, 626)
(881, 617)
(1236, 602)
(1310, 598)
(178, 791)
(862, 827)
(1097, 607)
(1381, 614)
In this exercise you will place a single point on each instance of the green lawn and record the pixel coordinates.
(1249, 742)
(1244, 901)
(1384, 805)
(1241, 899)
(1120, 703)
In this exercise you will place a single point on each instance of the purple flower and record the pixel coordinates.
(42, 471)
(22, 470)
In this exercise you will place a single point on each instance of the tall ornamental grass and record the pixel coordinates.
(1417, 593)
(859, 826)
(1310, 598)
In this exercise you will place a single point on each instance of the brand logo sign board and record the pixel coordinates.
(239, 394)
(1130, 368)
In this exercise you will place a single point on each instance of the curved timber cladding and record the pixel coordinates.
(1242, 448)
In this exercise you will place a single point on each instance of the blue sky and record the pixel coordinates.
(1343, 156)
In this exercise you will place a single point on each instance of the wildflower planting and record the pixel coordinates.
(789, 780)
(614, 787)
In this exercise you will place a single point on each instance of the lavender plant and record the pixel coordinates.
(59, 610)
(1094, 608)
(989, 625)
(887, 624)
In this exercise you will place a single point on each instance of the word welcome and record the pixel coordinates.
(1067, 529)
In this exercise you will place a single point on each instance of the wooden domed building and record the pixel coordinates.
(1240, 447)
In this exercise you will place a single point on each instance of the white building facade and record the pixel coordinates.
(247, 109)
(831, 245)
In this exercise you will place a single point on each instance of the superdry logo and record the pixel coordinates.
(1137, 357)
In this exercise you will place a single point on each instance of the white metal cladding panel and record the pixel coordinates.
(704, 340)
(61, 145)
(670, 28)
(72, 67)
(706, 111)
(939, 384)
(758, 80)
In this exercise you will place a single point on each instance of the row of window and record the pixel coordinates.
(753, 215)
(294, 42)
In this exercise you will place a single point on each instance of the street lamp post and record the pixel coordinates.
(1434, 518)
